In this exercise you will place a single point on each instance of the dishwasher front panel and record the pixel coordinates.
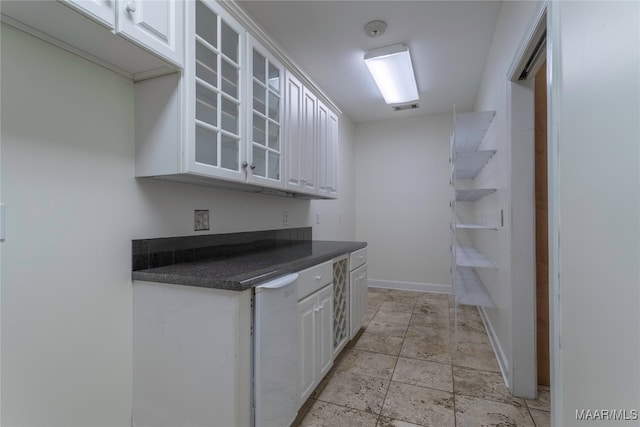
(275, 353)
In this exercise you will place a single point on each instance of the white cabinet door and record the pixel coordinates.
(308, 142)
(101, 11)
(265, 117)
(315, 342)
(293, 130)
(157, 25)
(215, 90)
(358, 301)
(306, 347)
(322, 142)
(327, 149)
(333, 154)
(325, 330)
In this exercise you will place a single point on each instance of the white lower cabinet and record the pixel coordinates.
(358, 307)
(315, 343)
(315, 319)
(358, 288)
(191, 356)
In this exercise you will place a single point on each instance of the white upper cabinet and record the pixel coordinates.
(265, 117)
(138, 39)
(215, 127)
(327, 150)
(309, 141)
(154, 24)
(293, 119)
(101, 11)
(301, 105)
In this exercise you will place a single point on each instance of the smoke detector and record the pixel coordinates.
(375, 28)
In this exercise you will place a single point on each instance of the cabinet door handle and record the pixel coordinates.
(317, 309)
(322, 307)
(131, 7)
(253, 166)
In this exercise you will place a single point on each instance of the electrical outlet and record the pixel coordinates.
(285, 218)
(201, 219)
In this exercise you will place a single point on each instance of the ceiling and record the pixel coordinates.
(448, 40)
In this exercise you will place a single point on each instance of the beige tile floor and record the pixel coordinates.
(402, 371)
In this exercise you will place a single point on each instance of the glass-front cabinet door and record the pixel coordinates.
(215, 125)
(265, 145)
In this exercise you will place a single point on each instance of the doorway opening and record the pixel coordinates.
(529, 202)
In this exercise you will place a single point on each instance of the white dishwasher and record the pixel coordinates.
(275, 364)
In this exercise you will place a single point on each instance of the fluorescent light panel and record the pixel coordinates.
(392, 71)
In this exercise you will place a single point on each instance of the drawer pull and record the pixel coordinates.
(318, 277)
(361, 257)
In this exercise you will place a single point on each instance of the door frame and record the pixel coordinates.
(546, 14)
(520, 104)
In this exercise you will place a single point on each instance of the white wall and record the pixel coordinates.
(596, 102)
(402, 200)
(73, 208)
(512, 24)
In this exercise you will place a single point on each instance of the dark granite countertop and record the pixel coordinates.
(246, 270)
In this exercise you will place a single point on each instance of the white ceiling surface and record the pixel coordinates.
(448, 40)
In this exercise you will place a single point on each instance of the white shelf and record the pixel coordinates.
(469, 289)
(474, 227)
(473, 194)
(469, 164)
(466, 256)
(469, 130)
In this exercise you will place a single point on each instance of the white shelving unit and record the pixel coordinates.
(466, 163)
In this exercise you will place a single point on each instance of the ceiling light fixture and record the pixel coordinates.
(392, 71)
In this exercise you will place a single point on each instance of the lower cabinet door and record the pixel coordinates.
(306, 347)
(315, 343)
(358, 298)
(325, 331)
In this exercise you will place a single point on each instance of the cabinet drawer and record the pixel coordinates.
(357, 258)
(314, 278)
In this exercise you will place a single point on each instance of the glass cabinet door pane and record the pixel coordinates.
(274, 78)
(229, 79)
(206, 146)
(274, 106)
(230, 153)
(274, 165)
(259, 98)
(259, 160)
(274, 136)
(206, 105)
(229, 42)
(259, 129)
(206, 65)
(206, 24)
(229, 115)
(259, 67)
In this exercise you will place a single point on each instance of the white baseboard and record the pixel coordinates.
(503, 362)
(410, 286)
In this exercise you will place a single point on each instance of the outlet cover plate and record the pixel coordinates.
(201, 219)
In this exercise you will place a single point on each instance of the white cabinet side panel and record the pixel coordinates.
(187, 355)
